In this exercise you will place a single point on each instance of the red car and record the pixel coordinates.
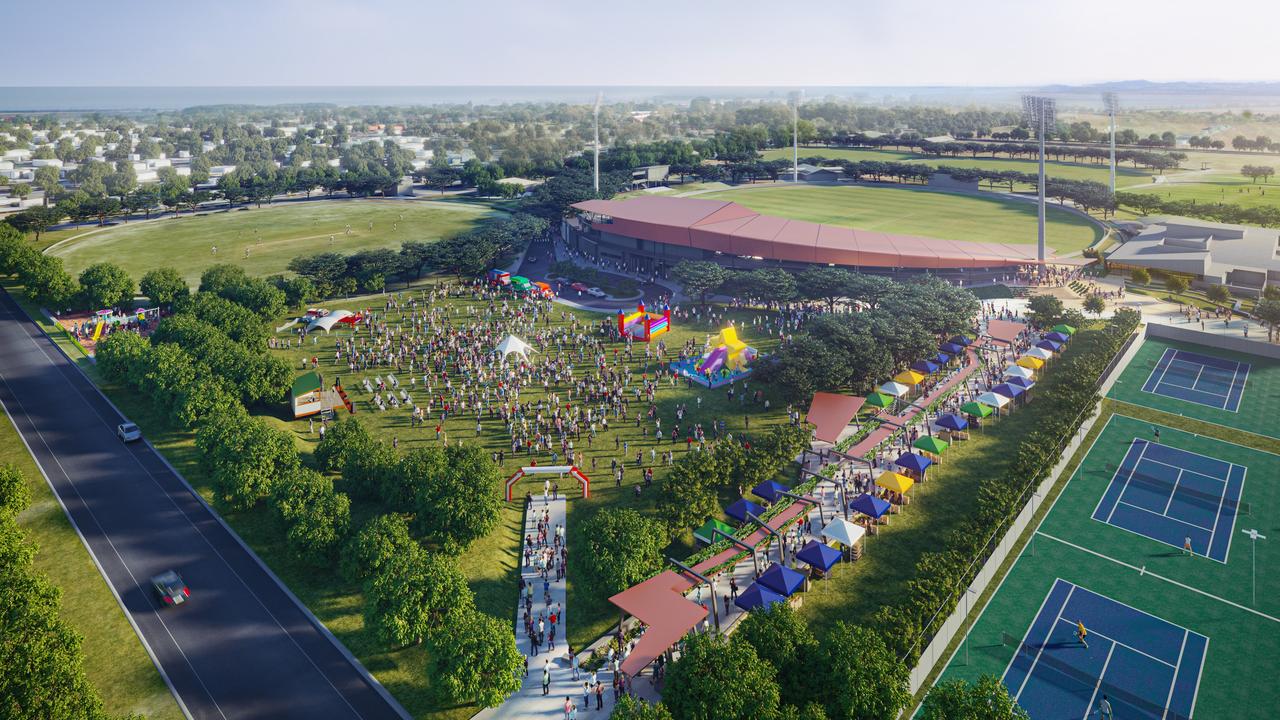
(580, 287)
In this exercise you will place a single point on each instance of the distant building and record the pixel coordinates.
(813, 173)
(650, 175)
(1244, 258)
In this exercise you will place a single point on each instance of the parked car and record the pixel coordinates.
(596, 292)
(170, 588)
(580, 287)
(128, 432)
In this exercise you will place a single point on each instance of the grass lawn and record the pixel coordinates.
(273, 235)
(857, 590)
(114, 659)
(1214, 188)
(950, 216)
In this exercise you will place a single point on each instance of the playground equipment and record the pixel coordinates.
(499, 277)
(643, 325)
(729, 353)
(570, 470)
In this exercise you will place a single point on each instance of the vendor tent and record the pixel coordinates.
(960, 340)
(1057, 337)
(326, 322)
(1033, 363)
(976, 408)
(769, 490)
(781, 579)
(1039, 352)
(705, 535)
(895, 389)
(819, 555)
(992, 399)
(845, 532)
(1018, 371)
(1065, 329)
(512, 344)
(757, 596)
(890, 480)
(953, 422)
(942, 358)
(912, 461)
(924, 366)
(908, 377)
(867, 505)
(1049, 345)
(1008, 390)
(739, 509)
(931, 444)
(1024, 383)
(880, 400)
(951, 348)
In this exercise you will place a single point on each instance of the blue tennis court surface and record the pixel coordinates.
(1216, 382)
(1147, 667)
(1170, 495)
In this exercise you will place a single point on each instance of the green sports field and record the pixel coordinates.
(1259, 410)
(951, 216)
(273, 235)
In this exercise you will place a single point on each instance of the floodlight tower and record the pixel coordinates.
(1112, 102)
(1040, 113)
(796, 98)
(595, 178)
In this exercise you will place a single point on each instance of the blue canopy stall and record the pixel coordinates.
(740, 507)
(819, 555)
(953, 422)
(1008, 390)
(869, 505)
(960, 340)
(924, 366)
(757, 596)
(951, 348)
(781, 579)
(769, 490)
(1023, 383)
(912, 461)
(1049, 345)
(1057, 337)
(942, 358)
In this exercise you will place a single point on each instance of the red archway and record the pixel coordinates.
(571, 470)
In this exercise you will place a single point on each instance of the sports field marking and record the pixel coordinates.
(1218, 391)
(1151, 503)
(1147, 666)
(1158, 576)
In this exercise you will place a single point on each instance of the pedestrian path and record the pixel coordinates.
(893, 423)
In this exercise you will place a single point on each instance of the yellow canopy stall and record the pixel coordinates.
(895, 482)
(1032, 363)
(908, 377)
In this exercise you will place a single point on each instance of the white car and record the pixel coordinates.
(128, 432)
(596, 292)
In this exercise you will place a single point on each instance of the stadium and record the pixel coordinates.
(651, 234)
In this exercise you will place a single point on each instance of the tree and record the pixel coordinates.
(246, 456)
(864, 678)
(1140, 276)
(1268, 311)
(699, 277)
(477, 660)
(623, 548)
(164, 286)
(14, 495)
(720, 679)
(414, 596)
(315, 516)
(368, 551)
(1045, 310)
(460, 504)
(219, 277)
(1218, 294)
(824, 283)
(48, 283)
(782, 638)
(20, 190)
(1095, 304)
(344, 439)
(35, 220)
(629, 708)
(48, 179)
(688, 495)
(105, 285)
(1176, 284)
(986, 699)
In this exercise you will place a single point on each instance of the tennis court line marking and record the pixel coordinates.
(1105, 664)
(1174, 491)
(1167, 517)
(1117, 643)
(1232, 389)
(1163, 366)
(1058, 618)
(1171, 581)
(1258, 435)
(1204, 657)
(1025, 633)
(1193, 472)
(1132, 471)
(1176, 670)
(1239, 500)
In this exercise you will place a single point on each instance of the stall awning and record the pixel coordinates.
(819, 555)
(705, 535)
(976, 408)
(845, 532)
(739, 509)
(830, 413)
(992, 399)
(868, 505)
(1016, 370)
(894, 481)
(769, 490)
(953, 422)
(1033, 363)
(908, 377)
(1008, 390)
(880, 400)
(757, 596)
(924, 366)
(781, 579)
(895, 389)
(912, 461)
(930, 444)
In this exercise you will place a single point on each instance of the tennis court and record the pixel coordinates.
(1147, 667)
(1213, 381)
(1173, 495)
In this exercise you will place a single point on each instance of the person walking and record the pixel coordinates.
(1186, 546)
(573, 662)
(599, 696)
(1081, 634)
(546, 678)
(1104, 709)
(568, 705)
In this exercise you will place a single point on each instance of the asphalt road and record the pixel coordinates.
(241, 647)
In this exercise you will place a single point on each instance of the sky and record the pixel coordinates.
(649, 42)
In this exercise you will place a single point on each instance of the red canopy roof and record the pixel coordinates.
(831, 413)
(1004, 331)
(730, 228)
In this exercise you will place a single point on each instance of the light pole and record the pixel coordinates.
(1255, 537)
(1039, 113)
(967, 592)
(797, 97)
(1112, 103)
(595, 178)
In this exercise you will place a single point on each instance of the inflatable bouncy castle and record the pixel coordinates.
(642, 325)
(729, 353)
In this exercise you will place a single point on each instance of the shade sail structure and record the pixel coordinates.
(1039, 352)
(924, 366)
(976, 408)
(769, 490)
(659, 602)
(512, 344)
(1024, 383)
(895, 389)
(879, 400)
(930, 444)
(830, 413)
(1008, 390)
(845, 532)
(952, 421)
(942, 358)
(819, 555)
(327, 322)
(1065, 329)
(1004, 331)
(757, 596)
(951, 348)
(960, 340)
(1049, 345)
(894, 481)
(908, 377)
(1034, 363)
(740, 507)
(1057, 337)
(912, 461)
(993, 399)
(705, 535)
(1019, 371)
(781, 579)
(867, 505)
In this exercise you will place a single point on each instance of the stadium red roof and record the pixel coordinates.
(730, 228)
